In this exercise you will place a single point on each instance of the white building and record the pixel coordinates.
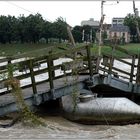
(90, 22)
(117, 21)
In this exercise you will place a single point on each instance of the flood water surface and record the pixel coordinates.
(60, 128)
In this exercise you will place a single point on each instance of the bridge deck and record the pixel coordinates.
(34, 93)
(42, 88)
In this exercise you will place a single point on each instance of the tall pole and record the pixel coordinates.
(136, 22)
(101, 26)
(71, 36)
(83, 35)
(91, 35)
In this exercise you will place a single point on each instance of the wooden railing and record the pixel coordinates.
(109, 60)
(29, 67)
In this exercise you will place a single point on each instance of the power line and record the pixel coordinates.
(26, 10)
(20, 7)
(35, 13)
(112, 3)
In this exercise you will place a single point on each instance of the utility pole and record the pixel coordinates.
(71, 36)
(91, 35)
(83, 35)
(136, 22)
(101, 28)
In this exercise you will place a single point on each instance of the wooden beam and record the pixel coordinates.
(32, 77)
(138, 72)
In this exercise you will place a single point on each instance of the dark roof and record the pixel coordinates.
(118, 18)
(106, 26)
(119, 28)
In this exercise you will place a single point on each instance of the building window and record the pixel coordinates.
(119, 21)
(115, 34)
(114, 20)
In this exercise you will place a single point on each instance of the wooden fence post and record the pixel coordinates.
(112, 55)
(10, 68)
(111, 64)
(32, 76)
(50, 73)
(138, 71)
(89, 61)
(132, 68)
(97, 64)
(51, 63)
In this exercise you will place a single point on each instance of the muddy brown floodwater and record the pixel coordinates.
(60, 128)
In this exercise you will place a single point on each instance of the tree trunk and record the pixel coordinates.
(59, 40)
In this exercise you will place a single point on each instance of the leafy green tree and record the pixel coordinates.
(59, 29)
(5, 32)
(130, 21)
(34, 27)
(77, 33)
(46, 31)
(22, 29)
(13, 29)
(88, 32)
(104, 35)
(31, 29)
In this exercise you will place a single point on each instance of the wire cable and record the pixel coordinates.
(26, 10)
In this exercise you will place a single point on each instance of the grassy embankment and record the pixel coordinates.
(132, 48)
(42, 49)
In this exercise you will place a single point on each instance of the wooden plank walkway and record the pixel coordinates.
(43, 88)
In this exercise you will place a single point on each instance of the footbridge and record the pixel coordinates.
(70, 70)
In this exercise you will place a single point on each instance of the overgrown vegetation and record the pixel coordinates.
(74, 66)
(75, 92)
(26, 115)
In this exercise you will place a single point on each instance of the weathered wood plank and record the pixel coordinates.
(132, 69)
(32, 77)
(138, 72)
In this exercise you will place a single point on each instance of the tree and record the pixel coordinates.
(46, 32)
(130, 21)
(87, 30)
(5, 29)
(60, 29)
(89, 33)
(31, 29)
(34, 27)
(104, 35)
(77, 33)
(22, 28)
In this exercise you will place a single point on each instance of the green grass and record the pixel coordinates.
(43, 49)
(28, 49)
(132, 48)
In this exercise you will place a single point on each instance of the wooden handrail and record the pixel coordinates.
(88, 60)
